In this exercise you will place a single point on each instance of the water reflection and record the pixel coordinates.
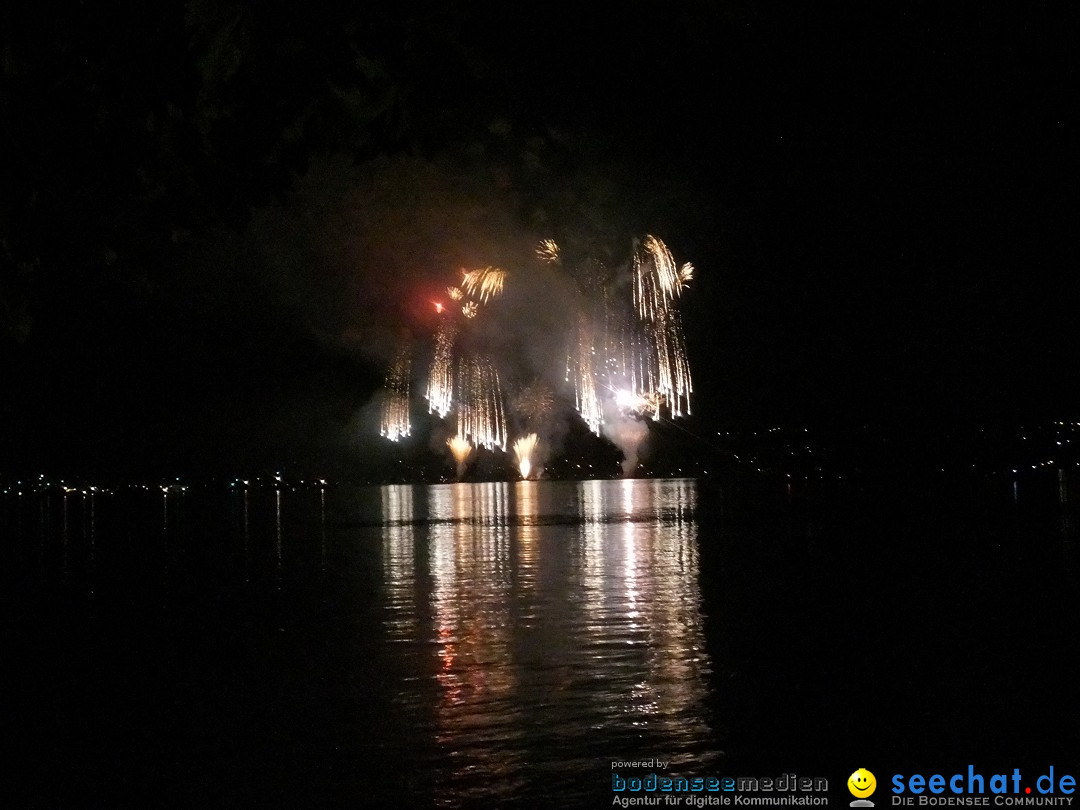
(542, 618)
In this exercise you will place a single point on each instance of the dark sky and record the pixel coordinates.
(219, 219)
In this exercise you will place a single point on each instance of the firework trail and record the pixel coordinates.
(461, 450)
(524, 449)
(394, 423)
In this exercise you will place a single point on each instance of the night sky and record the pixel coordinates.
(220, 218)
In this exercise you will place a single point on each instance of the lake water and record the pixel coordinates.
(503, 644)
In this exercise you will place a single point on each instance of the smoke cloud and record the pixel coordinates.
(630, 435)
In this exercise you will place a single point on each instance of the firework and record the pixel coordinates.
(483, 284)
(524, 449)
(394, 424)
(461, 450)
(440, 389)
(686, 275)
(656, 279)
(632, 352)
(626, 358)
(548, 252)
(657, 282)
(469, 383)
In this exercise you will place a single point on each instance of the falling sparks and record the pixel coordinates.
(635, 354)
(581, 374)
(394, 424)
(466, 383)
(480, 412)
(440, 390)
(657, 283)
(483, 284)
(523, 450)
(656, 280)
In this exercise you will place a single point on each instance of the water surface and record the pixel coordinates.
(498, 644)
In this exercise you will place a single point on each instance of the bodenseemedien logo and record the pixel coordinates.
(786, 790)
(862, 785)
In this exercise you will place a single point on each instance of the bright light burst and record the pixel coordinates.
(461, 450)
(523, 450)
(394, 423)
(630, 401)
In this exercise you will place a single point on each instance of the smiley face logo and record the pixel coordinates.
(861, 783)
